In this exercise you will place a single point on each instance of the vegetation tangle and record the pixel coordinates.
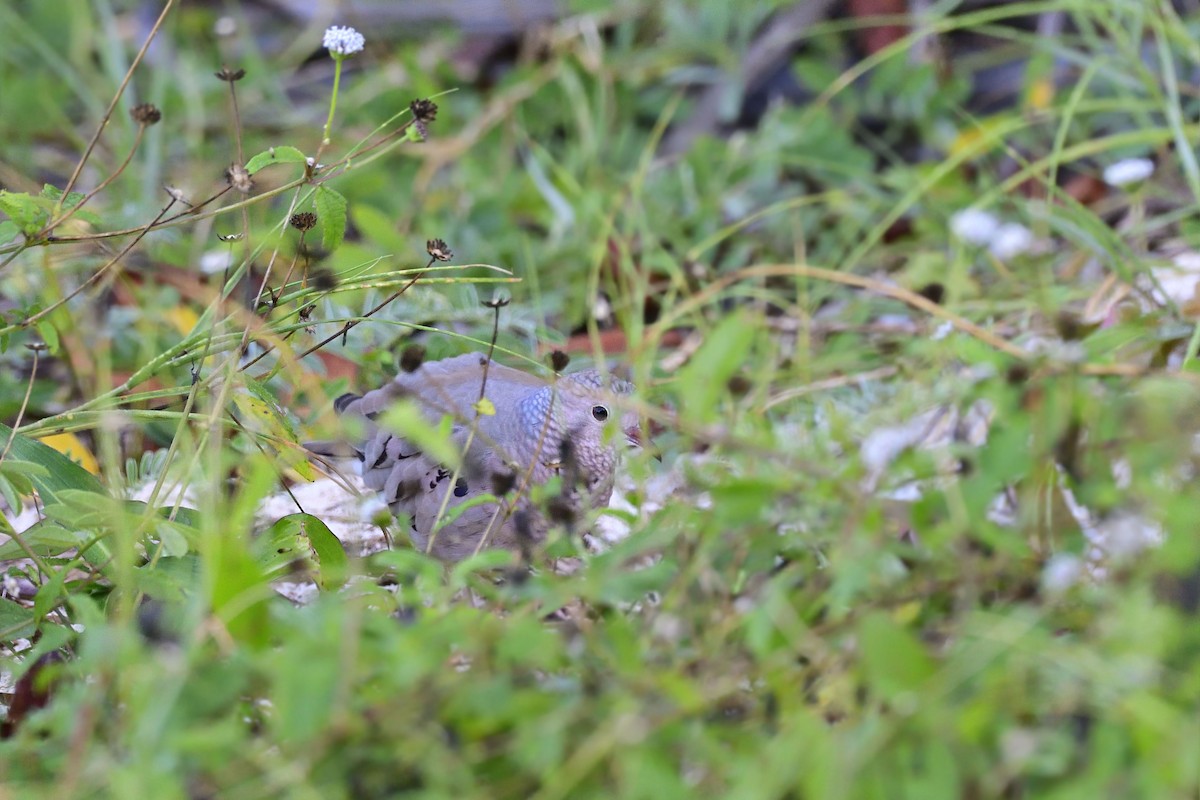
(908, 293)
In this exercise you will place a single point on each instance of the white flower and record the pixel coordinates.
(974, 226)
(342, 41)
(1061, 572)
(1127, 171)
(1010, 240)
(943, 330)
(10, 587)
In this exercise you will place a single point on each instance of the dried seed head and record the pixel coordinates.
(176, 195)
(36, 346)
(229, 237)
(739, 385)
(304, 221)
(1069, 326)
(230, 75)
(145, 114)
(412, 357)
(438, 249)
(559, 360)
(1016, 374)
(239, 178)
(423, 110)
(523, 527)
(503, 481)
(561, 511)
(496, 302)
(933, 292)
(324, 280)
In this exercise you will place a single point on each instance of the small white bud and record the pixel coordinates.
(974, 226)
(1127, 171)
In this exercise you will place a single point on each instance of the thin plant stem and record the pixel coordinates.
(137, 60)
(337, 80)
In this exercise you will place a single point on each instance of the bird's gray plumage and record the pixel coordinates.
(540, 428)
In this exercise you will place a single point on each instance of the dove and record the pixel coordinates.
(569, 426)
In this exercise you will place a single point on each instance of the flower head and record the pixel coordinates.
(342, 42)
(1011, 240)
(438, 250)
(1004, 240)
(1061, 572)
(974, 226)
(303, 221)
(1127, 171)
(145, 114)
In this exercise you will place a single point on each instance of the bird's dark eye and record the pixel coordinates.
(599, 413)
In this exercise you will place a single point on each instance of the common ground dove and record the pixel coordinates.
(568, 426)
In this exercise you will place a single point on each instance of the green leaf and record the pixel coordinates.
(29, 213)
(16, 621)
(49, 335)
(894, 660)
(303, 538)
(16, 475)
(703, 381)
(8, 231)
(284, 154)
(46, 538)
(331, 214)
(63, 472)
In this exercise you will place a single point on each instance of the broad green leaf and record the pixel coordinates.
(703, 381)
(52, 193)
(894, 660)
(284, 154)
(46, 538)
(49, 335)
(170, 579)
(240, 593)
(331, 214)
(174, 541)
(261, 406)
(16, 621)
(8, 231)
(63, 472)
(303, 538)
(29, 213)
(21, 471)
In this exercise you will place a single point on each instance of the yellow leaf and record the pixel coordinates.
(1040, 94)
(182, 318)
(485, 408)
(906, 613)
(73, 448)
(969, 139)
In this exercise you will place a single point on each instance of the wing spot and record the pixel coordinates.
(382, 454)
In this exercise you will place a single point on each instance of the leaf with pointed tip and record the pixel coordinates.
(63, 472)
(331, 214)
(284, 154)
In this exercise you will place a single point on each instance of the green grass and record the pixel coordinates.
(770, 630)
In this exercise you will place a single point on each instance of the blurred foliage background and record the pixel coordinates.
(908, 288)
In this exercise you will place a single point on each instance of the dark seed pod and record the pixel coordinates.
(412, 357)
